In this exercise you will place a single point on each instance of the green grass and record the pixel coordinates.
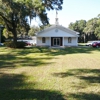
(50, 74)
(82, 44)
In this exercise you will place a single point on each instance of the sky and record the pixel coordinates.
(74, 10)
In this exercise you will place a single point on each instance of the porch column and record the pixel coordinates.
(63, 41)
(50, 41)
(77, 41)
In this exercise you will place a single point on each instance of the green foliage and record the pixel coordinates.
(44, 26)
(90, 26)
(89, 30)
(7, 34)
(79, 27)
(97, 32)
(97, 28)
(12, 44)
(33, 30)
(15, 14)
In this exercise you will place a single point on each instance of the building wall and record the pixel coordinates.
(55, 33)
(74, 41)
(47, 42)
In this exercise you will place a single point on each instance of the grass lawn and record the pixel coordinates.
(82, 44)
(50, 74)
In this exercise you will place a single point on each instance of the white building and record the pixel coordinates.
(57, 35)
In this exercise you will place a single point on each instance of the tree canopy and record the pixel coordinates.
(89, 30)
(34, 29)
(16, 14)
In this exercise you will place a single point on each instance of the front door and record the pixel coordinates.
(56, 41)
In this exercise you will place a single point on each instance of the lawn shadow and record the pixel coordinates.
(72, 50)
(81, 79)
(28, 50)
(58, 51)
(16, 87)
(88, 75)
(34, 62)
(18, 56)
(84, 96)
(6, 60)
(12, 60)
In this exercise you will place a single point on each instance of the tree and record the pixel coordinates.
(97, 32)
(90, 29)
(16, 13)
(97, 29)
(33, 30)
(42, 27)
(79, 27)
(2, 38)
(7, 34)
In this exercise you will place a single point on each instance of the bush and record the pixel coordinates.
(12, 44)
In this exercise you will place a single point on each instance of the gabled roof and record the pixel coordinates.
(61, 28)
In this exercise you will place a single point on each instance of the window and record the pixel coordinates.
(69, 39)
(43, 40)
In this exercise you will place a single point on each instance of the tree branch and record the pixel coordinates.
(5, 18)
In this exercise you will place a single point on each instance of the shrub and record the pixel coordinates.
(12, 44)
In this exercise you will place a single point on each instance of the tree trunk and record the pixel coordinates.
(15, 35)
(84, 38)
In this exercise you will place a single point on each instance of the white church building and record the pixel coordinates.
(57, 35)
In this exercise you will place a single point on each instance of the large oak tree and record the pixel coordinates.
(17, 13)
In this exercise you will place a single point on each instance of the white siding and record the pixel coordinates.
(47, 41)
(57, 33)
(53, 33)
(73, 42)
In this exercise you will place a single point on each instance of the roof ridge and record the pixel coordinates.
(60, 27)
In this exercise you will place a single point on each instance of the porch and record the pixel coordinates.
(56, 41)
